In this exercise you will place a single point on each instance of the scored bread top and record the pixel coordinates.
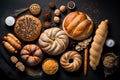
(77, 25)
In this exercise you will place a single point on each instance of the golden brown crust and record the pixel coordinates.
(27, 28)
(77, 25)
(31, 54)
(98, 43)
(71, 66)
(35, 9)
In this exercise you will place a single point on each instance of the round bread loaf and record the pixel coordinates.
(77, 25)
(27, 28)
(71, 61)
(31, 54)
(53, 41)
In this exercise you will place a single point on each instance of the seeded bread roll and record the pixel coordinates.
(77, 25)
(28, 28)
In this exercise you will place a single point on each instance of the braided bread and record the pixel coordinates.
(78, 25)
(71, 61)
(53, 41)
(97, 44)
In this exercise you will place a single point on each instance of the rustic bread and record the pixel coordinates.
(28, 28)
(77, 25)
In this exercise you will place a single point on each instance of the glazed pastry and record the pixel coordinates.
(77, 25)
(53, 41)
(98, 43)
(31, 54)
(71, 61)
(35, 9)
(28, 28)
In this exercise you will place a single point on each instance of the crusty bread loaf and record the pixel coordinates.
(77, 25)
(98, 43)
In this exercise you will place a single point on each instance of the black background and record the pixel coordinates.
(97, 9)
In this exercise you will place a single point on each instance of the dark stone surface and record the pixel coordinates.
(97, 9)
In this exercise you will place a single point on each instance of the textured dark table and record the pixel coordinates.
(97, 9)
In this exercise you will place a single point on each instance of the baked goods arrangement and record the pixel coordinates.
(55, 43)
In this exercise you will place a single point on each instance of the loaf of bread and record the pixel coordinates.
(98, 43)
(77, 25)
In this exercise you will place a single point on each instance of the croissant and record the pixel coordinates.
(97, 44)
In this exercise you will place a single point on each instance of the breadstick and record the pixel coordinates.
(9, 47)
(12, 42)
(85, 61)
(13, 37)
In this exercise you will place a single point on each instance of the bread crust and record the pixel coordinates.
(28, 28)
(78, 25)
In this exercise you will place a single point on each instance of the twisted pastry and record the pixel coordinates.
(31, 54)
(71, 61)
(97, 44)
(53, 41)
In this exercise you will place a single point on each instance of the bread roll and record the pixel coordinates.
(98, 43)
(77, 25)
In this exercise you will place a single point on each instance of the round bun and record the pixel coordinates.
(53, 41)
(35, 9)
(71, 61)
(31, 54)
(77, 25)
(50, 66)
(27, 28)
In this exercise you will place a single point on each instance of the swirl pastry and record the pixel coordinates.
(31, 54)
(71, 61)
(98, 43)
(53, 41)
